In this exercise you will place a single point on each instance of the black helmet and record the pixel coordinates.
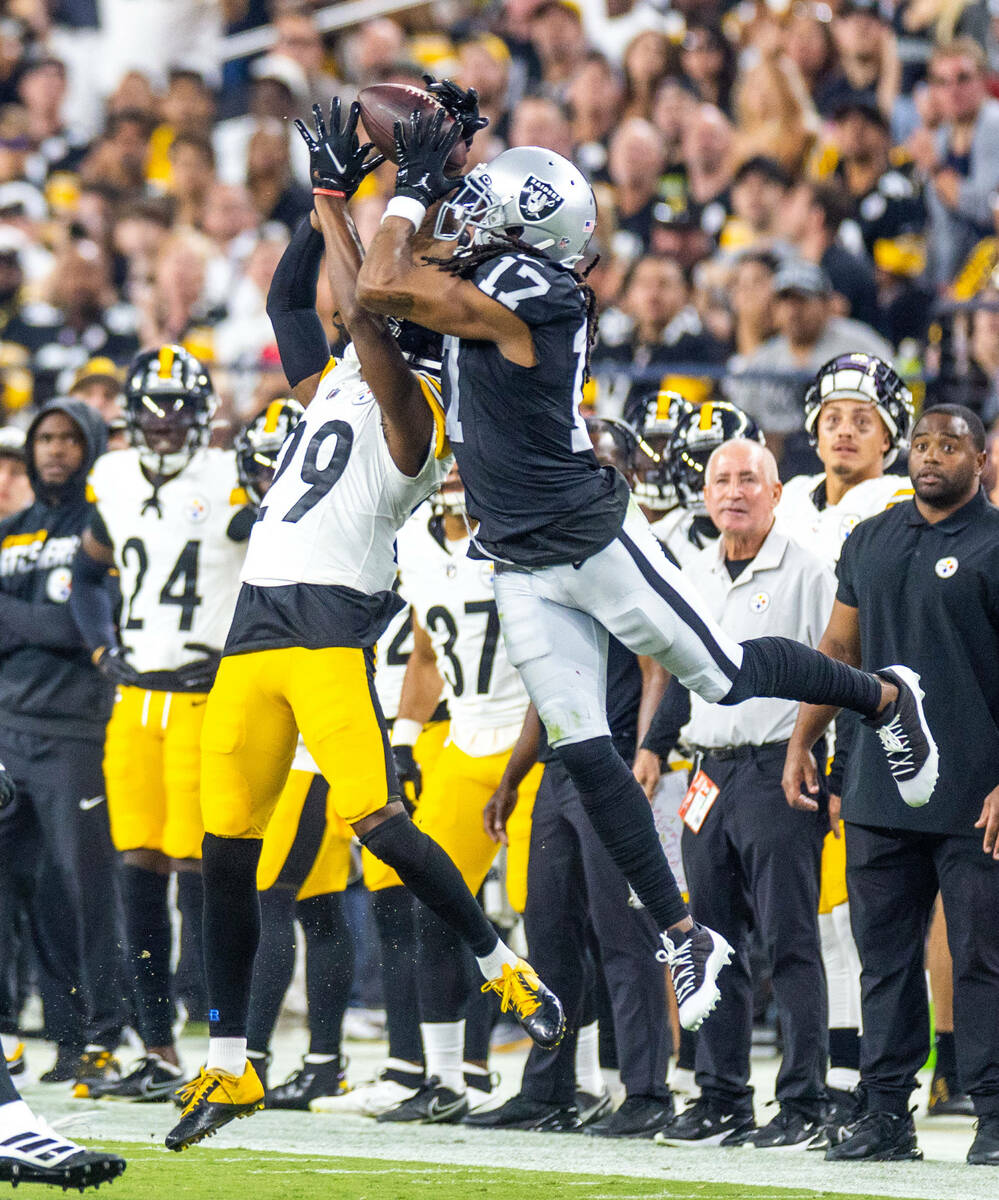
(697, 435)
(259, 444)
(870, 379)
(660, 413)
(170, 390)
(623, 449)
(422, 348)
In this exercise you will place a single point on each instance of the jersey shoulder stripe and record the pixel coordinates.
(431, 389)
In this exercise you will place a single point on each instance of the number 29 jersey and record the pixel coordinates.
(179, 569)
(321, 563)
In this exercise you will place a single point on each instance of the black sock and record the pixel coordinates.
(329, 968)
(393, 912)
(232, 929)
(8, 1093)
(433, 878)
(189, 982)
(787, 670)
(441, 982)
(273, 967)
(947, 1060)
(622, 817)
(844, 1048)
(147, 927)
(686, 1057)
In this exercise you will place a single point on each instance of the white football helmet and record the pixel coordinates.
(536, 194)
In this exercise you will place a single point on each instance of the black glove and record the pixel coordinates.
(199, 675)
(7, 789)
(408, 770)
(112, 664)
(337, 160)
(461, 104)
(421, 152)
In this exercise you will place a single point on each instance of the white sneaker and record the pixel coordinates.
(681, 1083)
(367, 1099)
(37, 1154)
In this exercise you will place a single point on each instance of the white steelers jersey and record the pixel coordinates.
(452, 599)
(673, 530)
(331, 515)
(179, 569)
(824, 530)
(396, 643)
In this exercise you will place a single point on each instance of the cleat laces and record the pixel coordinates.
(897, 747)
(514, 991)
(681, 965)
(195, 1091)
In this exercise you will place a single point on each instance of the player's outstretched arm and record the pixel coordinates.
(291, 307)
(392, 282)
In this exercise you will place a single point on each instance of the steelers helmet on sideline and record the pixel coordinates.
(615, 444)
(869, 379)
(654, 489)
(169, 404)
(697, 435)
(259, 444)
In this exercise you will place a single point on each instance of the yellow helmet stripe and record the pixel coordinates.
(273, 416)
(166, 361)
(706, 414)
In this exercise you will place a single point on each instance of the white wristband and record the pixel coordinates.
(405, 731)
(408, 207)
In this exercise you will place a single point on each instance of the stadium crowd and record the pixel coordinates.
(779, 185)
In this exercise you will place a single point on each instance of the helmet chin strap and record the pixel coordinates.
(163, 467)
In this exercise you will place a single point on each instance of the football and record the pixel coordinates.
(385, 103)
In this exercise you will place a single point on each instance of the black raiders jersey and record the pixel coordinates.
(530, 475)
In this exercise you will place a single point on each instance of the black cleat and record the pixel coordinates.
(707, 1122)
(909, 746)
(40, 1155)
(947, 1102)
(984, 1150)
(638, 1117)
(539, 1010)
(17, 1062)
(312, 1079)
(65, 1066)
(150, 1081)
(212, 1100)
(433, 1104)
(793, 1128)
(521, 1112)
(878, 1137)
(592, 1107)
(95, 1067)
(843, 1109)
(694, 965)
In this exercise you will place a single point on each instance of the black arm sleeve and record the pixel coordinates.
(241, 525)
(291, 306)
(667, 721)
(26, 624)
(90, 602)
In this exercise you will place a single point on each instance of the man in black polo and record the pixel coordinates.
(920, 583)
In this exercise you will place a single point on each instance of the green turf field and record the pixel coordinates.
(228, 1174)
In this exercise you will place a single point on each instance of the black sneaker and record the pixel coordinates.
(878, 1137)
(984, 1150)
(95, 1066)
(592, 1107)
(521, 1112)
(40, 1155)
(312, 1079)
(694, 965)
(537, 1008)
(433, 1104)
(912, 754)
(65, 1066)
(150, 1080)
(843, 1109)
(707, 1122)
(638, 1117)
(793, 1128)
(945, 1101)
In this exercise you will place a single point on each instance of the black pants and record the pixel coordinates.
(571, 884)
(893, 876)
(755, 864)
(58, 863)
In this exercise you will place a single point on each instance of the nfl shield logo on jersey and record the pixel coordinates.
(538, 200)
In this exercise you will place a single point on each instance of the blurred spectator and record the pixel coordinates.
(41, 88)
(557, 38)
(758, 187)
(276, 196)
(773, 112)
(374, 49)
(707, 152)
(810, 219)
(971, 376)
(647, 61)
(15, 487)
(299, 40)
(272, 99)
(121, 156)
(540, 122)
(708, 62)
(808, 42)
(869, 69)
(672, 107)
(752, 295)
(245, 332)
(174, 307)
(636, 160)
(192, 163)
(594, 102)
(187, 108)
(98, 383)
(960, 159)
(484, 63)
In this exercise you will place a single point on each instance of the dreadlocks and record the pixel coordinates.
(465, 264)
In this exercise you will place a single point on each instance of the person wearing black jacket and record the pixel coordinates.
(56, 857)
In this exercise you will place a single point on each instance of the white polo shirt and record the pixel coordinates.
(786, 591)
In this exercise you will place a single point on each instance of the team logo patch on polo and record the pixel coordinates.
(538, 200)
(759, 602)
(58, 583)
(946, 567)
(197, 510)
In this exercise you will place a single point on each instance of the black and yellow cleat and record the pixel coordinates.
(97, 1066)
(17, 1064)
(537, 1008)
(212, 1100)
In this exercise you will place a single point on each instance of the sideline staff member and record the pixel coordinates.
(749, 861)
(920, 584)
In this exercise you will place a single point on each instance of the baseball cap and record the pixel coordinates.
(12, 443)
(803, 277)
(98, 368)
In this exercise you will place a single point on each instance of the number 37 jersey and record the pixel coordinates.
(179, 569)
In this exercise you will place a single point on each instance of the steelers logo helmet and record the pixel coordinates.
(869, 379)
(697, 435)
(259, 444)
(660, 413)
(169, 404)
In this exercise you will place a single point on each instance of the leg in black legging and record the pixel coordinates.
(329, 968)
(393, 911)
(273, 968)
(232, 930)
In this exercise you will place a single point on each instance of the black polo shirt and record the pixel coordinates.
(928, 597)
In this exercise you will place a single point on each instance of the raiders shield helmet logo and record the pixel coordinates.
(538, 200)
